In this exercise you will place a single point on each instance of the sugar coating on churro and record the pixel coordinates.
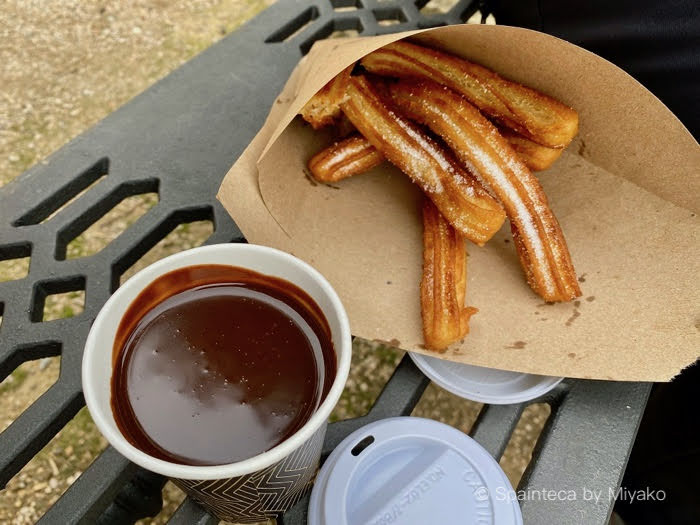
(541, 247)
(460, 197)
(343, 159)
(414, 155)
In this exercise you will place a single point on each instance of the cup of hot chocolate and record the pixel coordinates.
(218, 367)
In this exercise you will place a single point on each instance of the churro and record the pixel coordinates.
(323, 109)
(348, 157)
(459, 196)
(533, 114)
(541, 246)
(534, 156)
(444, 281)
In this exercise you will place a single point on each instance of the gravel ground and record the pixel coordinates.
(66, 64)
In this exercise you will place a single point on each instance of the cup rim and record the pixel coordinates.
(247, 466)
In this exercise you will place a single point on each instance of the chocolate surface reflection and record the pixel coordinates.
(215, 364)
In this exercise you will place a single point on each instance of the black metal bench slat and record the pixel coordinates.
(585, 444)
(93, 491)
(35, 427)
(189, 513)
(495, 424)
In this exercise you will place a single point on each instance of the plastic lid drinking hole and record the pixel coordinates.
(411, 471)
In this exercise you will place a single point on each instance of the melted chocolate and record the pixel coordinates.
(215, 364)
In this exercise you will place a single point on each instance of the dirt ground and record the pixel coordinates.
(66, 64)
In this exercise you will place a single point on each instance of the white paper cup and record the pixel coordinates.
(257, 488)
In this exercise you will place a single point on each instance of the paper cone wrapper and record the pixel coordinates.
(626, 193)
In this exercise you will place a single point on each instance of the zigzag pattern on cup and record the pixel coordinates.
(261, 495)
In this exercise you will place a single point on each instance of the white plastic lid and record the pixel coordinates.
(486, 385)
(411, 471)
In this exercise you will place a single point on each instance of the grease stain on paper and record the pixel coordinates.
(573, 317)
(582, 149)
(310, 178)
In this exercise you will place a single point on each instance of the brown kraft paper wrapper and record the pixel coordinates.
(626, 193)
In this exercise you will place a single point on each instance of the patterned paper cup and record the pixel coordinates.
(257, 488)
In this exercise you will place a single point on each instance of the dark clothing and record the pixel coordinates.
(658, 43)
(666, 455)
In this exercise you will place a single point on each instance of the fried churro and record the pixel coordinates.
(460, 197)
(533, 114)
(348, 157)
(355, 155)
(534, 156)
(444, 281)
(541, 246)
(323, 109)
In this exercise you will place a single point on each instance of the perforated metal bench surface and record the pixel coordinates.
(178, 139)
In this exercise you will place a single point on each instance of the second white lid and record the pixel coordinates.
(485, 385)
